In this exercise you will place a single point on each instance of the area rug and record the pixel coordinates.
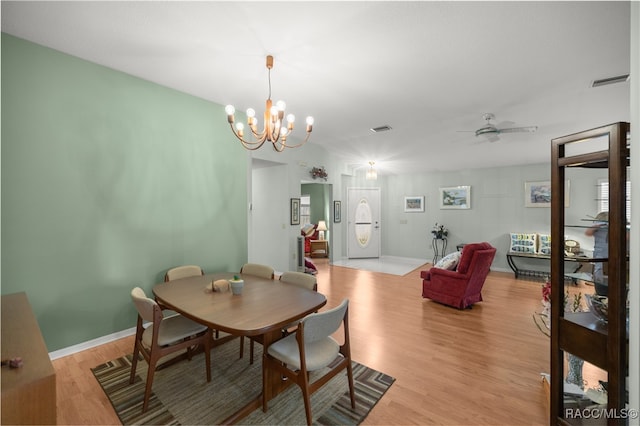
(181, 394)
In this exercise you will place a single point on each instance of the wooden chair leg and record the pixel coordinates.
(134, 363)
(352, 392)
(306, 395)
(250, 351)
(147, 390)
(241, 346)
(208, 338)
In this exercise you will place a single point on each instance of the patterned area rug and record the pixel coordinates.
(181, 394)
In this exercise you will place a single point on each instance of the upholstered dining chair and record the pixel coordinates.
(182, 272)
(186, 271)
(312, 348)
(300, 279)
(164, 336)
(262, 271)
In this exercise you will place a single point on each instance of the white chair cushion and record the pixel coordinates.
(319, 353)
(172, 330)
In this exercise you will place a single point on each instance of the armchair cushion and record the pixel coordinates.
(449, 262)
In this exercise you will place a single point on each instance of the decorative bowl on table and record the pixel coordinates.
(598, 306)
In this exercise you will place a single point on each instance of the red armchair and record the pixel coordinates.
(309, 233)
(460, 288)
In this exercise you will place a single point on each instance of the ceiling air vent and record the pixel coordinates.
(610, 80)
(384, 128)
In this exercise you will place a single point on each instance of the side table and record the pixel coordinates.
(319, 248)
(439, 247)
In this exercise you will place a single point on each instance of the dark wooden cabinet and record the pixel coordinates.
(603, 344)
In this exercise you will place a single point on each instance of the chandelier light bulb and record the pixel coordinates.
(229, 109)
(239, 127)
(291, 118)
(251, 113)
(281, 105)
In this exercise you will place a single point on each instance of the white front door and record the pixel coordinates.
(363, 227)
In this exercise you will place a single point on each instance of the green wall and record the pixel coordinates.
(318, 194)
(107, 181)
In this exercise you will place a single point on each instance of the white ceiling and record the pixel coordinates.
(427, 69)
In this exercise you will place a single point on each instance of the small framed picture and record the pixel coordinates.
(337, 211)
(295, 211)
(538, 194)
(455, 197)
(414, 204)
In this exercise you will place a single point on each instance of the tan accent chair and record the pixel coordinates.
(312, 348)
(300, 279)
(163, 337)
(262, 271)
(183, 272)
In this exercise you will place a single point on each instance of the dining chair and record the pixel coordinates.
(164, 336)
(312, 348)
(182, 272)
(262, 271)
(258, 270)
(186, 271)
(300, 279)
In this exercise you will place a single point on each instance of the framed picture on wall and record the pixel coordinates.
(337, 211)
(295, 211)
(455, 197)
(538, 194)
(414, 204)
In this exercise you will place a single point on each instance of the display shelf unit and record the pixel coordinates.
(601, 344)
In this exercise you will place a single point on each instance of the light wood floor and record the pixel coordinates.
(479, 366)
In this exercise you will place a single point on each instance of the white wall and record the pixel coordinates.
(282, 186)
(269, 217)
(497, 208)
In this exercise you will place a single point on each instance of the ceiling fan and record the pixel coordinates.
(491, 132)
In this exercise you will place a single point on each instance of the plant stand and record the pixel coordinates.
(439, 248)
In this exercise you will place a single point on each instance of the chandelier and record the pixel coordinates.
(372, 174)
(275, 129)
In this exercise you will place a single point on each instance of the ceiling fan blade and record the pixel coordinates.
(529, 129)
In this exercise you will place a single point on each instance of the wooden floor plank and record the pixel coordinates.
(477, 366)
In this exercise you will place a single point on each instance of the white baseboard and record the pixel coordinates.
(91, 343)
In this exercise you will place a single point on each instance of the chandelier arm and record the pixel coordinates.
(284, 143)
(248, 144)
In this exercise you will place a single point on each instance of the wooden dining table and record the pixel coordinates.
(262, 310)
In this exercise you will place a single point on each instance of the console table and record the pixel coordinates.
(545, 262)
